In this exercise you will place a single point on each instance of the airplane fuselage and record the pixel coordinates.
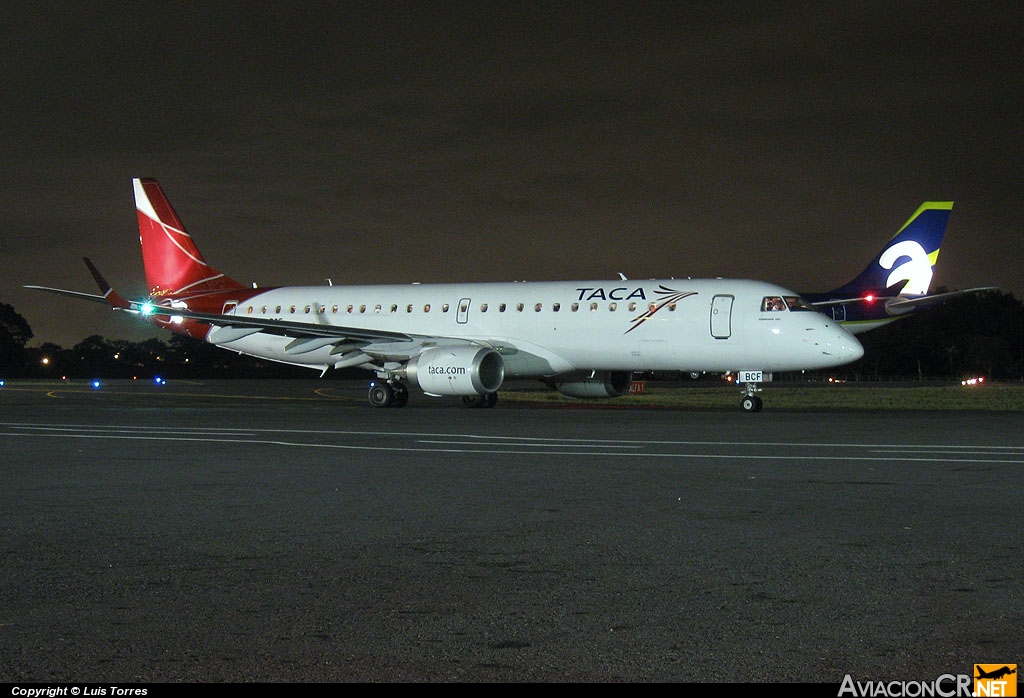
(550, 328)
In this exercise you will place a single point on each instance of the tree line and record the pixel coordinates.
(974, 334)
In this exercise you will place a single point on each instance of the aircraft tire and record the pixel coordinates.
(751, 403)
(381, 395)
(488, 400)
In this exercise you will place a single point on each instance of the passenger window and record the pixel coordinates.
(556, 307)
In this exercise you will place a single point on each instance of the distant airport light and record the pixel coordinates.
(96, 383)
(159, 381)
(973, 380)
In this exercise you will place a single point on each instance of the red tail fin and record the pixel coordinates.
(174, 265)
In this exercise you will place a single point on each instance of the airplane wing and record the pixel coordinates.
(351, 345)
(73, 294)
(285, 328)
(230, 326)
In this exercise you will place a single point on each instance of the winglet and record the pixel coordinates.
(115, 299)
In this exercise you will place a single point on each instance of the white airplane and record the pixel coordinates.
(584, 338)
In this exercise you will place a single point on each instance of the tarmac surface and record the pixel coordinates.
(286, 531)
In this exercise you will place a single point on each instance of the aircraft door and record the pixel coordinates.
(463, 315)
(721, 317)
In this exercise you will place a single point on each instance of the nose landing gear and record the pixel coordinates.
(751, 382)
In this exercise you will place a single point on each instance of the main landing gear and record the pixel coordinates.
(388, 393)
(394, 393)
(488, 400)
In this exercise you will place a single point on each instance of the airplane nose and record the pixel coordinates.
(839, 346)
(853, 346)
(845, 345)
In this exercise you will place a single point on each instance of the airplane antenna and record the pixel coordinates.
(623, 276)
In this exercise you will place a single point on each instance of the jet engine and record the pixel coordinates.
(462, 369)
(598, 384)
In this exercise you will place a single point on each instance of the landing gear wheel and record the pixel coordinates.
(488, 400)
(751, 403)
(381, 395)
(388, 394)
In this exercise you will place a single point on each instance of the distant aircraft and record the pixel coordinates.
(584, 338)
(896, 282)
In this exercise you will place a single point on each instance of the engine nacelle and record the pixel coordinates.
(601, 384)
(457, 370)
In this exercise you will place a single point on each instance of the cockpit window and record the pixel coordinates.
(798, 303)
(772, 304)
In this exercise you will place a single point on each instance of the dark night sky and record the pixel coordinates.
(398, 142)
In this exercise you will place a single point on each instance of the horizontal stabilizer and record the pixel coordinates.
(843, 301)
(908, 303)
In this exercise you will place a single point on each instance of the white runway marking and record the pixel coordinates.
(413, 442)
